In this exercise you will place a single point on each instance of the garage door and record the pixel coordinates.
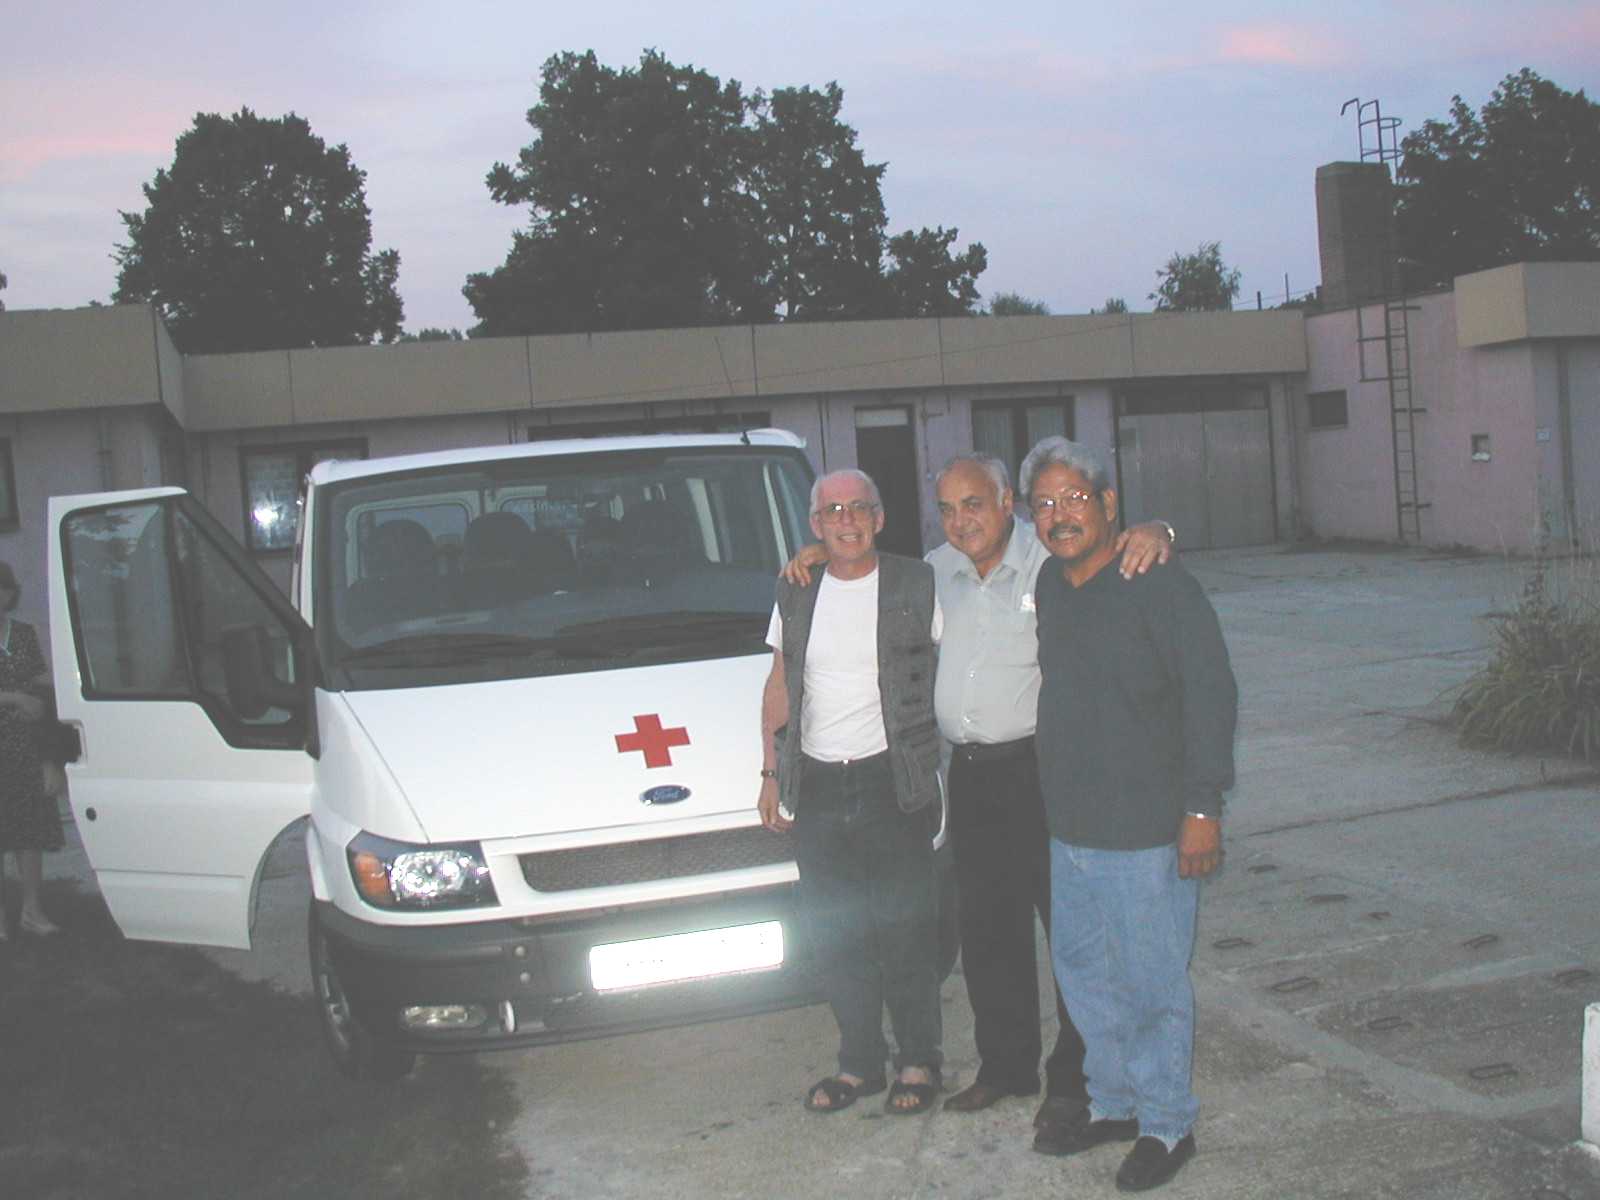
(1209, 473)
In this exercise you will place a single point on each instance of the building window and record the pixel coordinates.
(1009, 429)
(1480, 447)
(8, 487)
(272, 476)
(1329, 410)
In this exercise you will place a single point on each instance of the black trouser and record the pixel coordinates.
(870, 901)
(1002, 852)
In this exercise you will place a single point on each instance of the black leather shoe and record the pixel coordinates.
(1058, 1110)
(1150, 1164)
(1080, 1134)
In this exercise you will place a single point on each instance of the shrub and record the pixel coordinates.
(1541, 690)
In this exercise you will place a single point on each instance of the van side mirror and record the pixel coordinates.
(247, 671)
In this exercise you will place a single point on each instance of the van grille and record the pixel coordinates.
(661, 858)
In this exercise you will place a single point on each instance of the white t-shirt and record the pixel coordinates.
(841, 713)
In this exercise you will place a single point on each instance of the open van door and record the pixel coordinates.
(190, 678)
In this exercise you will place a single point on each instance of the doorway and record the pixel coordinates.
(886, 449)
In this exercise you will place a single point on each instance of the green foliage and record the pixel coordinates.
(1541, 690)
(1014, 304)
(432, 333)
(819, 207)
(1198, 282)
(662, 197)
(1517, 182)
(927, 280)
(1113, 304)
(259, 238)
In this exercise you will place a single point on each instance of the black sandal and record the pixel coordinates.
(923, 1093)
(841, 1093)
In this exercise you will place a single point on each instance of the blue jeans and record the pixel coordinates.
(870, 903)
(1121, 935)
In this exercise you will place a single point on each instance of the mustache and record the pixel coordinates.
(1065, 528)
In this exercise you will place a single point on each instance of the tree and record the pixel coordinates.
(926, 280)
(1198, 282)
(662, 197)
(1014, 304)
(259, 238)
(1518, 182)
(1113, 304)
(2, 288)
(639, 220)
(820, 207)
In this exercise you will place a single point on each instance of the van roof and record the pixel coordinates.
(334, 470)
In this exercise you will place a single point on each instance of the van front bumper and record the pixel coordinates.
(529, 981)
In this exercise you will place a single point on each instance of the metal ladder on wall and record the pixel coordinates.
(1379, 140)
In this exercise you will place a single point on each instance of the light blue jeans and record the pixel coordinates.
(1122, 932)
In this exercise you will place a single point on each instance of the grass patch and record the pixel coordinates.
(1541, 690)
(135, 1070)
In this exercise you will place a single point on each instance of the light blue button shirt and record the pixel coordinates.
(987, 688)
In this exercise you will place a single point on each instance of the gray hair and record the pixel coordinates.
(991, 466)
(1090, 461)
(845, 473)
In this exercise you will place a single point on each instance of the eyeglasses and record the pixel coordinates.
(832, 514)
(1074, 501)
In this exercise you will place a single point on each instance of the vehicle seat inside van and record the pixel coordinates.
(402, 579)
(657, 544)
(504, 562)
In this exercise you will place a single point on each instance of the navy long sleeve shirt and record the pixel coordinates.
(1137, 706)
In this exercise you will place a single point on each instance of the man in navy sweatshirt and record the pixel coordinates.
(1126, 666)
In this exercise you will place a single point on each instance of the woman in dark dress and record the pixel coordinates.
(29, 822)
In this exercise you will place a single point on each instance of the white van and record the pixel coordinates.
(516, 689)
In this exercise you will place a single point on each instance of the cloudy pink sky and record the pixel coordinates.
(1082, 144)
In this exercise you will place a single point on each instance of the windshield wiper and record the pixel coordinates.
(448, 649)
(441, 648)
(708, 621)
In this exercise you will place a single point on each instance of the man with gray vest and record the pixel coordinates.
(850, 760)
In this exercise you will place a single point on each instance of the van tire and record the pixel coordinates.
(357, 1051)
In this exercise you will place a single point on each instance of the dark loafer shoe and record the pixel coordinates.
(1058, 1110)
(1150, 1164)
(1080, 1134)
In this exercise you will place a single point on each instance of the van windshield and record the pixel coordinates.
(553, 564)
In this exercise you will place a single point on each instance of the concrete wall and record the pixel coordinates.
(737, 363)
(55, 360)
(1529, 300)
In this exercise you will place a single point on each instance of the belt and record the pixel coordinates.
(982, 752)
(844, 764)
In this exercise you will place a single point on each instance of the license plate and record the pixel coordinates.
(683, 956)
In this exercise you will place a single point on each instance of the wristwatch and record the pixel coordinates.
(1172, 540)
(1201, 816)
(769, 772)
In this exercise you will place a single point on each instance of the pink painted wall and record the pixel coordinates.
(1347, 475)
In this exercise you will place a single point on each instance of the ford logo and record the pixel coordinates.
(671, 793)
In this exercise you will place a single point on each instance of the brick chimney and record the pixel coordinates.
(1355, 222)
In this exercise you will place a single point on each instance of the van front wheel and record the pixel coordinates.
(356, 1051)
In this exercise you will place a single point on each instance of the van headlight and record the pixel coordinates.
(401, 875)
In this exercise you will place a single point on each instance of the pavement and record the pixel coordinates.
(1392, 966)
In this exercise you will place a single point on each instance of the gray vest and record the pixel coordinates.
(905, 678)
